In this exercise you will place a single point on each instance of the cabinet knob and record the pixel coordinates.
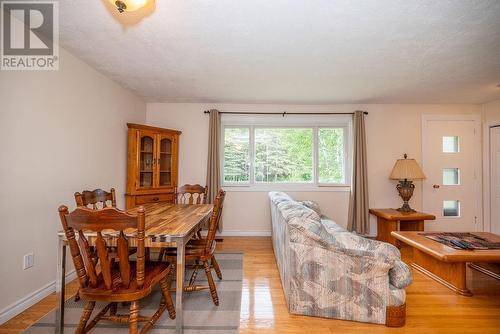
(156, 199)
(436, 186)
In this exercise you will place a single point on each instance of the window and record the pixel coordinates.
(283, 155)
(265, 150)
(236, 155)
(451, 208)
(450, 144)
(451, 176)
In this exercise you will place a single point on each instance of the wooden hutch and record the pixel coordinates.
(151, 164)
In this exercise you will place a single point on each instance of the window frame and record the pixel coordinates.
(251, 122)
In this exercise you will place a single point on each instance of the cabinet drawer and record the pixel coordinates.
(143, 199)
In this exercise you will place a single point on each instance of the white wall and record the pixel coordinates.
(491, 111)
(60, 132)
(391, 131)
(491, 116)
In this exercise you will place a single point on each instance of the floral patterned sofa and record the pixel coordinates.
(329, 272)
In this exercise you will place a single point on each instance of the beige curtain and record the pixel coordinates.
(213, 160)
(359, 218)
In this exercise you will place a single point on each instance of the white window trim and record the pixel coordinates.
(289, 121)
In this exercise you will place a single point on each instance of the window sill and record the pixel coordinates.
(286, 187)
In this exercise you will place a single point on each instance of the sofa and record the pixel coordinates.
(329, 272)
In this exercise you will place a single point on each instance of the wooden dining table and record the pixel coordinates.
(167, 225)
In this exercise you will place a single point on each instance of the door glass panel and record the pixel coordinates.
(165, 162)
(451, 208)
(451, 176)
(450, 144)
(146, 162)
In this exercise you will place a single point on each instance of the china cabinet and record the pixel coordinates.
(152, 164)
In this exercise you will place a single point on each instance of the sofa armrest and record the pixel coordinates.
(400, 275)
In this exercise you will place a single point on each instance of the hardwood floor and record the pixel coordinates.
(431, 308)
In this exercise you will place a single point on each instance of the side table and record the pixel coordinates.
(389, 220)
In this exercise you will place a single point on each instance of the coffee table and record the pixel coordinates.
(445, 264)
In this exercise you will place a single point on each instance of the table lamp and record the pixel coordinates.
(405, 171)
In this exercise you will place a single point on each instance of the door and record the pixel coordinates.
(165, 160)
(146, 159)
(495, 179)
(451, 160)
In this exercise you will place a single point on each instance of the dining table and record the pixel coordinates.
(167, 225)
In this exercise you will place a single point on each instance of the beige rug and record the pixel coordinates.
(201, 316)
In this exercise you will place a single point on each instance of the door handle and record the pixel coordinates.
(436, 186)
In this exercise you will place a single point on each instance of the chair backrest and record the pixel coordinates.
(214, 219)
(114, 221)
(191, 194)
(95, 197)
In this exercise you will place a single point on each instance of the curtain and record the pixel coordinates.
(213, 160)
(359, 218)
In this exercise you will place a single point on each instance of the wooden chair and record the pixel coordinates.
(191, 194)
(95, 197)
(114, 279)
(202, 251)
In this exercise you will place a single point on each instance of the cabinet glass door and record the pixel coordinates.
(165, 161)
(146, 161)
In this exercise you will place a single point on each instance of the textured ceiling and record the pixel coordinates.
(291, 51)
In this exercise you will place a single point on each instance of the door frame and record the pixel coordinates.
(487, 174)
(478, 166)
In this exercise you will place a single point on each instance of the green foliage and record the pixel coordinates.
(236, 154)
(284, 155)
(331, 155)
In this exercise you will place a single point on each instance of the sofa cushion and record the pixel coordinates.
(312, 205)
(332, 226)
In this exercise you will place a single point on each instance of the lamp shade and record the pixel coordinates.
(407, 169)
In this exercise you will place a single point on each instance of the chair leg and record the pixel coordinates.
(198, 234)
(87, 311)
(216, 267)
(113, 309)
(194, 274)
(211, 284)
(161, 255)
(134, 317)
(165, 289)
(77, 296)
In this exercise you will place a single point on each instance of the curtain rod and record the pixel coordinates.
(284, 113)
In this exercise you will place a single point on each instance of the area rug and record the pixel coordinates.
(200, 314)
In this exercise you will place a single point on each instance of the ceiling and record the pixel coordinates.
(293, 51)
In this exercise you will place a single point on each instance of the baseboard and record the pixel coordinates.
(236, 233)
(27, 301)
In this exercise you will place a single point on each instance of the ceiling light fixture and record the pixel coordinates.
(128, 5)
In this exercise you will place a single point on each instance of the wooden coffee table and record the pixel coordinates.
(445, 264)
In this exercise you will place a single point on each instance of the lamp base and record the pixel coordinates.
(406, 208)
(405, 189)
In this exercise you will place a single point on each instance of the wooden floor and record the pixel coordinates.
(431, 308)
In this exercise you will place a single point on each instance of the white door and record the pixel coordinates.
(495, 179)
(451, 153)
